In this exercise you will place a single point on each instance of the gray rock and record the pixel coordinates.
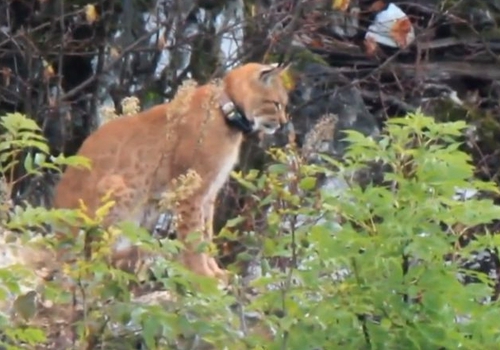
(321, 91)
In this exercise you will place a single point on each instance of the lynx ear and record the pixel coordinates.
(272, 71)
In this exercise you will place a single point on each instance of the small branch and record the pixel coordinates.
(107, 67)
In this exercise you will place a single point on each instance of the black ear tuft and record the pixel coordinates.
(273, 71)
(267, 74)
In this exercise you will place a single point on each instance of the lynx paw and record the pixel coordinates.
(219, 273)
(206, 266)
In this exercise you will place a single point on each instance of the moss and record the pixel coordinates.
(300, 57)
(447, 111)
(491, 34)
(488, 126)
(303, 56)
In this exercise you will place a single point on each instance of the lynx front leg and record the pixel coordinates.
(191, 221)
(208, 211)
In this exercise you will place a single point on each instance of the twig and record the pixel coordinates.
(107, 67)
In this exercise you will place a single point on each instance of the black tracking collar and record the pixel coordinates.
(235, 118)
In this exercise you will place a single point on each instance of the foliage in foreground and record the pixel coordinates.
(357, 267)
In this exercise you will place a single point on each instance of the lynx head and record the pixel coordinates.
(259, 91)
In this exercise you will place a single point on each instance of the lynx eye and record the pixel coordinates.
(276, 104)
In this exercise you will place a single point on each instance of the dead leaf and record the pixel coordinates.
(377, 6)
(91, 13)
(114, 52)
(48, 70)
(400, 31)
(6, 74)
(162, 42)
(316, 43)
(341, 5)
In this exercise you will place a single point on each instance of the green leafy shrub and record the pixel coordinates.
(366, 266)
(379, 279)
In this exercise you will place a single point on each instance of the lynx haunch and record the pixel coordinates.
(200, 130)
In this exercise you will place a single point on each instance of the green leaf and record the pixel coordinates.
(28, 163)
(73, 161)
(234, 222)
(150, 329)
(307, 183)
(278, 169)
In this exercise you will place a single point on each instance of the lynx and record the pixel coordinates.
(137, 157)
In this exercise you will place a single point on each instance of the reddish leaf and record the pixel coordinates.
(400, 31)
(377, 6)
